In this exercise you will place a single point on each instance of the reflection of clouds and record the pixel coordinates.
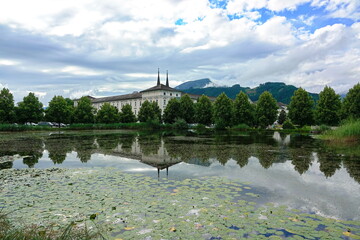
(337, 197)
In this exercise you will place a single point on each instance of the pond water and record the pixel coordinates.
(293, 170)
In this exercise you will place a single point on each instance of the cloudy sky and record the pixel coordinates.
(102, 48)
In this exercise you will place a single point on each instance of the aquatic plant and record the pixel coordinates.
(133, 206)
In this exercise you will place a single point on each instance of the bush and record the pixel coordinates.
(288, 125)
(241, 126)
(180, 124)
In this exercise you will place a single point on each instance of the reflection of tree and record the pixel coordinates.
(267, 155)
(58, 147)
(30, 161)
(33, 152)
(301, 159)
(241, 154)
(329, 163)
(222, 154)
(107, 143)
(149, 144)
(126, 142)
(6, 165)
(353, 168)
(84, 147)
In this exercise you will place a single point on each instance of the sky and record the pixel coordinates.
(104, 48)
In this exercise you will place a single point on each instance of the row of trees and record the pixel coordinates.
(224, 112)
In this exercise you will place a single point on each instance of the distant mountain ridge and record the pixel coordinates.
(281, 91)
(201, 83)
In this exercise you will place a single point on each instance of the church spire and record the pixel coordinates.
(167, 78)
(158, 80)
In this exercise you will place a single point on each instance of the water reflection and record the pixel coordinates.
(162, 152)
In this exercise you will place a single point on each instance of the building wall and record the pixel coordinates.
(161, 97)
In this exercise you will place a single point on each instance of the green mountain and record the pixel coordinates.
(280, 91)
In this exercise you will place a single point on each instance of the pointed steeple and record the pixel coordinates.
(158, 80)
(167, 78)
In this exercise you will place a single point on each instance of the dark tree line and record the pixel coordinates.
(223, 112)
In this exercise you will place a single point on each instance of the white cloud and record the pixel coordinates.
(7, 62)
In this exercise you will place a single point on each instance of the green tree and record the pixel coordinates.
(127, 115)
(328, 107)
(266, 109)
(84, 112)
(282, 117)
(171, 112)
(107, 114)
(187, 109)
(146, 112)
(203, 110)
(7, 108)
(351, 104)
(243, 110)
(59, 110)
(301, 108)
(30, 109)
(223, 111)
(156, 112)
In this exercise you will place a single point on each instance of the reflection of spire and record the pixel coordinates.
(158, 80)
(167, 78)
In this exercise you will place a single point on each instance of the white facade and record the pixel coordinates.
(161, 94)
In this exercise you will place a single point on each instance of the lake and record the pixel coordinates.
(293, 170)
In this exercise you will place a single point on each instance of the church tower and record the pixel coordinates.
(167, 78)
(158, 79)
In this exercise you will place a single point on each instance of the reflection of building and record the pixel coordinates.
(161, 94)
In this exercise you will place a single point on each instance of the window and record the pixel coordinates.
(176, 94)
(170, 94)
(135, 103)
(164, 93)
(164, 101)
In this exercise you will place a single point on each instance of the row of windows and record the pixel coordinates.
(171, 94)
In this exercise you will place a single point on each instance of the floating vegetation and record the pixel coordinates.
(133, 206)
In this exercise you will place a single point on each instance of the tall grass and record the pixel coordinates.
(20, 127)
(35, 232)
(349, 130)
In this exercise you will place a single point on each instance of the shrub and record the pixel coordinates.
(180, 124)
(241, 126)
(288, 125)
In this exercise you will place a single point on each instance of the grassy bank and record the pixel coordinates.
(348, 132)
(70, 232)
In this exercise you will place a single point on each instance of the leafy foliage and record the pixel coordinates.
(288, 125)
(59, 110)
(149, 112)
(127, 115)
(203, 111)
(107, 114)
(7, 108)
(223, 111)
(328, 107)
(351, 104)
(84, 112)
(266, 109)
(187, 108)
(171, 112)
(243, 110)
(30, 109)
(157, 112)
(301, 108)
(282, 117)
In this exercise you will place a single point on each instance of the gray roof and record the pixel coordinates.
(118, 97)
(161, 87)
